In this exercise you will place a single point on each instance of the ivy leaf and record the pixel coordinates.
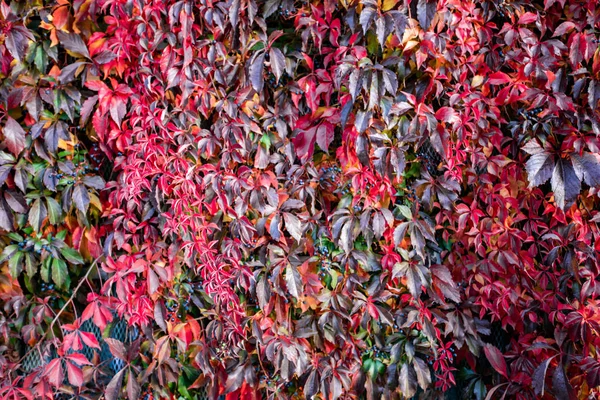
(94, 181)
(277, 62)
(113, 389)
(6, 216)
(293, 226)
(37, 214)
(324, 135)
(496, 359)
(426, 10)
(539, 377)
(74, 374)
(234, 379)
(256, 72)
(16, 41)
(442, 280)
(416, 274)
(565, 183)
(54, 211)
(73, 42)
(81, 197)
(133, 386)
(14, 136)
(423, 373)
(71, 255)
(587, 168)
(15, 266)
(59, 272)
(86, 109)
(408, 381)
(366, 18)
(117, 348)
(54, 372)
(560, 384)
(540, 165)
(311, 387)
(16, 201)
(294, 281)
(591, 366)
(263, 293)
(362, 121)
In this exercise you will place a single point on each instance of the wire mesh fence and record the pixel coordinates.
(126, 334)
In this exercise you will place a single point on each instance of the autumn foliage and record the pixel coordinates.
(289, 199)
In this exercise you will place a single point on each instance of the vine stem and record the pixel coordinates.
(64, 307)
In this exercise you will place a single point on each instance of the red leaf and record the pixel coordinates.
(75, 374)
(54, 372)
(78, 358)
(496, 359)
(446, 114)
(498, 78)
(563, 28)
(527, 18)
(89, 339)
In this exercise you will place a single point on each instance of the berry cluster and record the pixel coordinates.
(324, 260)
(531, 114)
(46, 287)
(430, 158)
(284, 12)
(177, 309)
(376, 352)
(329, 174)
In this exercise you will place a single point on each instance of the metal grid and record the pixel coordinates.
(119, 331)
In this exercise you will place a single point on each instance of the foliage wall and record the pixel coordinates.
(324, 199)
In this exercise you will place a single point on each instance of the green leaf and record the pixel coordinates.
(45, 270)
(182, 387)
(61, 235)
(41, 59)
(54, 211)
(71, 255)
(15, 265)
(59, 272)
(15, 236)
(30, 264)
(8, 252)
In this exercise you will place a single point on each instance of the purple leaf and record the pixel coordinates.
(294, 281)
(6, 216)
(14, 136)
(539, 377)
(565, 183)
(73, 42)
(81, 197)
(587, 168)
(560, 384)
(277, 62)
(425, 12)
(37, 214)
(256, 72)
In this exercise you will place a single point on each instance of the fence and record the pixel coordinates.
(122, 332)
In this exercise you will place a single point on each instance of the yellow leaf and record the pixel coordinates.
(388, 5)
(477, 80)
(95, 201)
